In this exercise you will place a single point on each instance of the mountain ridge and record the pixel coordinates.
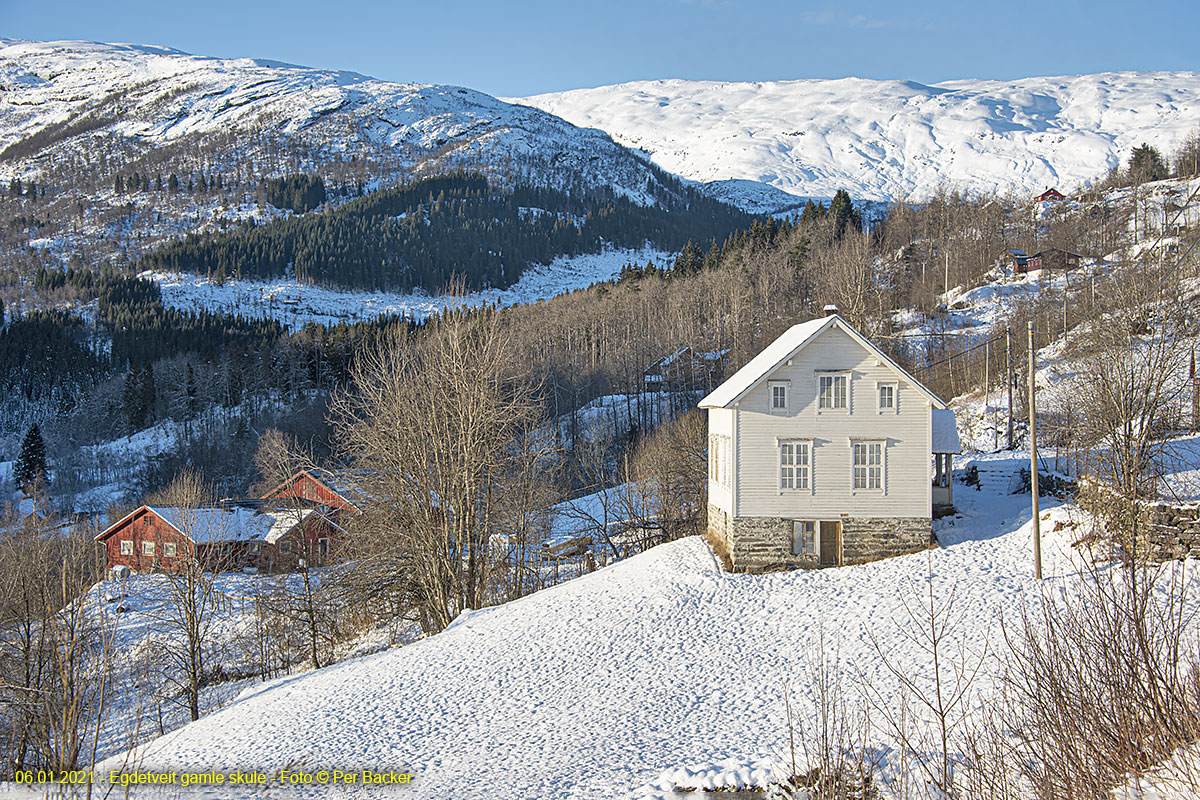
(882, 139)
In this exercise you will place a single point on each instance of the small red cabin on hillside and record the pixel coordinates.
(156, 539)
(1050, 196)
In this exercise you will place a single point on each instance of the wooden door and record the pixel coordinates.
(831, 534)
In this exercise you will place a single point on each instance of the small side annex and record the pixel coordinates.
(821, 453)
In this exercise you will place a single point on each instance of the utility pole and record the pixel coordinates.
(1008, 378)
(1195, 394)
(1065, 296)
(988, 413)
(1034, 486)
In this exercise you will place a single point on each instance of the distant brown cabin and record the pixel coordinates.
(1050, 196)
(1052, 259)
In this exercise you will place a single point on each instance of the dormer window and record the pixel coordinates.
(779, 391)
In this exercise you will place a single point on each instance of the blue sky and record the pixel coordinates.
(518, 48)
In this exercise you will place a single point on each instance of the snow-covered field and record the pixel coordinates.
(620, 682)
(884, 139)
(295, 304)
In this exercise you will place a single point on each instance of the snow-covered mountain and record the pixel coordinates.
(148, 97)
(881, 139)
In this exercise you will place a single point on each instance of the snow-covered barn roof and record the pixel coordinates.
(232, 524)
(793, 340)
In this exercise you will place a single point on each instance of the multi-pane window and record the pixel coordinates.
(794, 465)
(868, 465)
(779, 396)
(832, 391)
(804, 538)
(720, 460)
(147, 548)
(727, 462)
(887, 397)
(169, 550)
(126, 547)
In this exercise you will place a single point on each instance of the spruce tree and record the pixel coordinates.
(131, 399)
(1146, 164)
(30, 468)
(148, 396)
(189, 390)
(844, 214)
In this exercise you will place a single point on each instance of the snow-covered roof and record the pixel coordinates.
(224, 524)
(945, 432)
(787, 346)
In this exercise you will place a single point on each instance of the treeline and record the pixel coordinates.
(46, 355)
(300, 193)
(426, 233)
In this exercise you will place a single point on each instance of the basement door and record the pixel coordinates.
(831, 540)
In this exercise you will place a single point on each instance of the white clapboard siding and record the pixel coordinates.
(757, 431)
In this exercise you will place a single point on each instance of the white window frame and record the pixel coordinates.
(285, 547)
(127, 547)
(148, 548)
(816, 538)
(833, 375)
(255, 548)
(801, 477)
(895, 406)
(855, 444)
(781, 390)
(170, 550)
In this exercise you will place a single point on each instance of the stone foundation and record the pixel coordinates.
(763, 544)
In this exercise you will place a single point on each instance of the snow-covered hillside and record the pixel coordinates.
(294, 304)
(623, 680)
(879, 139)
(155, 96)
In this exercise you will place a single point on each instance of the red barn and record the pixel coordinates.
(1050, 196)
(322, 487)
(156, 539)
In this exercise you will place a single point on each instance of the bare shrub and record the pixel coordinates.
(829, 756)
(1102, 681)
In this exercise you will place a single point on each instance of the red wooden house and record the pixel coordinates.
(1050, 196)
(153, 539)
(322, 487)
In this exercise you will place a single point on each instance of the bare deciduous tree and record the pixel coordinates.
(192, 599)
(435, 424)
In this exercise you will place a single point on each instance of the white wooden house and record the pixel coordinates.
(821, 453)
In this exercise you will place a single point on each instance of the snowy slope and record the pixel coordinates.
(294, 304)
(155, 96)
(599, 687)
(880, 139)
